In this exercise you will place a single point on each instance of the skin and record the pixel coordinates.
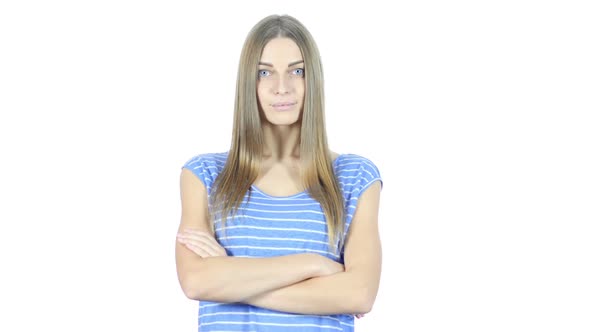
(204, 245)
(281, 79)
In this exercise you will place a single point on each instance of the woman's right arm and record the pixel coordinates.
(234, 279)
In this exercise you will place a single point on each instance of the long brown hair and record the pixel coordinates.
(243, 161)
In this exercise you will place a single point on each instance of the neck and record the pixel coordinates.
(281, 143)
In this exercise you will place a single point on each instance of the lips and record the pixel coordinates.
(283, 104)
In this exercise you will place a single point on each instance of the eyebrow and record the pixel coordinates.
(270, 64)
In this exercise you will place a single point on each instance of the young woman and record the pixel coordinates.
(279, 233)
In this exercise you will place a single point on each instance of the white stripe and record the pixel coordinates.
(194, 161)
(348, 170)
(349, 163)
(292, 249)
(273, 229)
(367, 163)
(201, 305)
(271, 315)
(272, 238)
(315, 204)
(278, 197)
(309, 198)
(201, 167)
(279, 211)
(370, 182)
(218, 220)
(272, 324)
(350, 183)
(214, 174)
(366, 172)
(284, 198)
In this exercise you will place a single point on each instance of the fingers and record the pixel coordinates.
(209, 243)
(196, 244)
(197, 250)
(206, 244)
(198, 247)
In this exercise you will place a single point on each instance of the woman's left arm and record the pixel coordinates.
(350, 292)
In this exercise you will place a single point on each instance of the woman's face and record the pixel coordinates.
(281, 82)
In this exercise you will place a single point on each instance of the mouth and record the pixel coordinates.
(283, 106)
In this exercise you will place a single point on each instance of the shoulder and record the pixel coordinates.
(206, 160)
(356, 171)
(206, 166)
(355, 162)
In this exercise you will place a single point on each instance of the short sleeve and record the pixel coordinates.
(368, 174)
(359, 173)
(202, 168)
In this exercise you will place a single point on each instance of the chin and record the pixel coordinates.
(282, 119)
(282, 122)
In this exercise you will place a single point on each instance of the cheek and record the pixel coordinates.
(259, 91)
(301, 89)
(262, 88)
(301, 85)
(262, 96)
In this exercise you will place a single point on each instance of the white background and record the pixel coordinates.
(476, 114)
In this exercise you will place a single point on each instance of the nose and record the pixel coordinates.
(283, 85)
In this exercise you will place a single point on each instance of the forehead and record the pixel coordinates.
(280, 52)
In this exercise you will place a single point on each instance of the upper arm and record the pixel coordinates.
(362, 254)
(195, 214)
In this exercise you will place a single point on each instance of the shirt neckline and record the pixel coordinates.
(255, 188)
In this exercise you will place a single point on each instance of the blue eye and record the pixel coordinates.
(262, 71)
(299, 71)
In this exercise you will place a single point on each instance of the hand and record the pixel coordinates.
(200, 242)
(359, 316)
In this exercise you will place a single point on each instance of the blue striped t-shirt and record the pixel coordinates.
(275, 226)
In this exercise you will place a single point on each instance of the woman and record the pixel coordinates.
(279, 233)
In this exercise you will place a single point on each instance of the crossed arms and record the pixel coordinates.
(300, 283)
